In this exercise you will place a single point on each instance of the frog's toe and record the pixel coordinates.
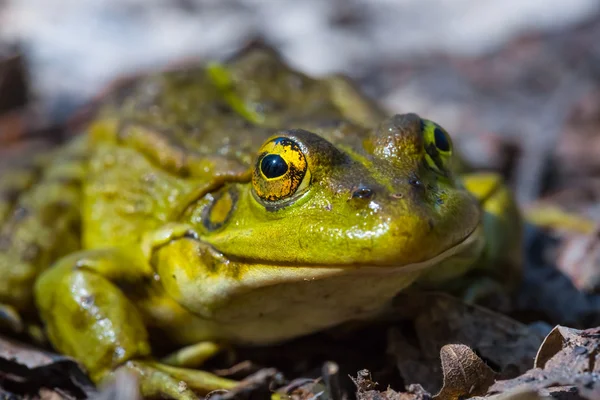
(156, 383)
(161, 380)
(193, 356)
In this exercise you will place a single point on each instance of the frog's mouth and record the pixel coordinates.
(472, 244)
(235, 292)
(468, 248)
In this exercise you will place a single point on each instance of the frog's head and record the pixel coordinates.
(392, 201)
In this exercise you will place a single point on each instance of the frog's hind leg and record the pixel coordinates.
(39, 222)
(88, 317)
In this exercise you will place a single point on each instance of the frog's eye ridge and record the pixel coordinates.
(281, 172)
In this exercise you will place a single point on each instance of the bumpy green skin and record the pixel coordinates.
(149, 222)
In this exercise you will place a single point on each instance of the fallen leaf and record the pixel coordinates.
(506, 344)
(570, 349)
(465, 374)
(25, 370)
(564, 366)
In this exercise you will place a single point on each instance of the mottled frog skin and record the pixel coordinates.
(241, 202)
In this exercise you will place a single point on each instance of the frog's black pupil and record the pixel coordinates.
(441, 140)
(273, 166)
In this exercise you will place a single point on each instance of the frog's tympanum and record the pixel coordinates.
(239, 203)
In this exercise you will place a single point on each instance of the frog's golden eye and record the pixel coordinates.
(438, 147)
(281, 171)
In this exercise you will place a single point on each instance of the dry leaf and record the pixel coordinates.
(465, 374)
(570, 349)
(25, 370)
(564, 366)
(508, 345)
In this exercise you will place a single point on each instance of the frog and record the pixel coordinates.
(238, 203)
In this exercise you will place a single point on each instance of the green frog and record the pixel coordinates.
(237, 203)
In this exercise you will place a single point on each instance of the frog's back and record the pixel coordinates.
(227, 111)
(40, 199)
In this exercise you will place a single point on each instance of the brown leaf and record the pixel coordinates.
(465, 374)
(570, 349)
(506, 344)
(564, 366)
(551, 346)
(26, 370)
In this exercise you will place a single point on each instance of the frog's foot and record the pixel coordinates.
(161, 380)
(192, 356)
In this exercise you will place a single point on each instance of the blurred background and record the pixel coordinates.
(506, 77)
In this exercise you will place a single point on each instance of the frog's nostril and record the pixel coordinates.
(362, 193)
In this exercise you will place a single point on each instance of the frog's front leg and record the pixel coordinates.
(499, 266)
(88, 317)
(502, 226)
(487, 271)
